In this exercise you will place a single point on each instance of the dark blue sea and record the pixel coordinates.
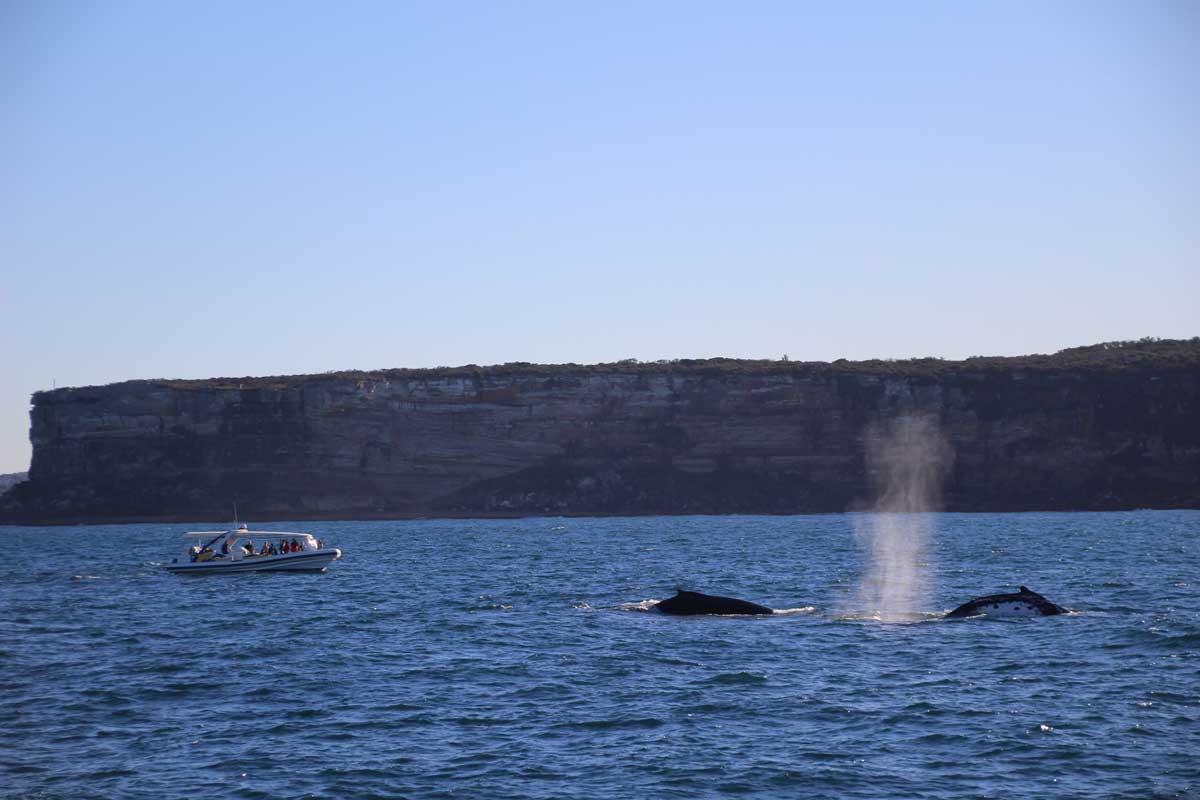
(511, 659)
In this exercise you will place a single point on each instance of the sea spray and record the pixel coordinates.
(907, 460)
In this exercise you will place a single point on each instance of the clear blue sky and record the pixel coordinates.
(203, 189)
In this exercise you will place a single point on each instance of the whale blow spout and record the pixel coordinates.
(1024, 603)
(686, 603)
(907, 461)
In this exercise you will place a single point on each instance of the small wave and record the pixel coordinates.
(607, 724)
(111, 772)
(486, 602)
(920, 707)
(796, 610)
(478, 721)
(26, 769)
(710, 708)
(85, 577)
(941, 738)
(307, 713)
(1170, 698)
(546, 691)
(1169, 639)
(737, 679)
(677, 662)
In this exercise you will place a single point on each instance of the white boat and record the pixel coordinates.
(243, 550)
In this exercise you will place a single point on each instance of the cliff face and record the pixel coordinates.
(11, 479)
(1088, 431)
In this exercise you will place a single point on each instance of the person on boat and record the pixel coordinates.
(248, 546)
(266, 550)
(295, 545)
(225, 547)
(193, 552)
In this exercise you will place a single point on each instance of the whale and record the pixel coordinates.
(686, 603)
(1024, 603)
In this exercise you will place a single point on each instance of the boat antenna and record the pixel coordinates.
(235, 519)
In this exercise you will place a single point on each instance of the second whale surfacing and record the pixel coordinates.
(1025, 603)
(686, 603)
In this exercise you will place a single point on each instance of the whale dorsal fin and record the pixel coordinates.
(1027, 590)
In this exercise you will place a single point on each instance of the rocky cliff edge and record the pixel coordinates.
(1103, 427)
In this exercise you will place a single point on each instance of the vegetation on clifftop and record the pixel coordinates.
(1145, 353)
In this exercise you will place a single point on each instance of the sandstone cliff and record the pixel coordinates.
(1110, 426)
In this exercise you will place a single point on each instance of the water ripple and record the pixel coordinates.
(492, 658)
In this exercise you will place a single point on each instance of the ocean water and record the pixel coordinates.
(508, 659)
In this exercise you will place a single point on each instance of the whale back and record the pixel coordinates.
(1023, 603)
(686, 603)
